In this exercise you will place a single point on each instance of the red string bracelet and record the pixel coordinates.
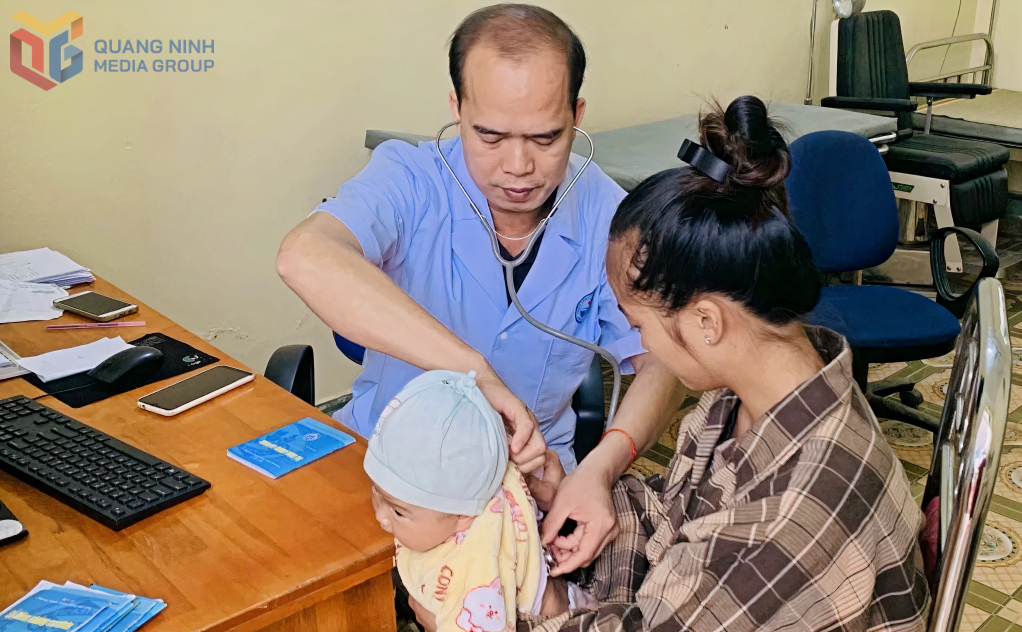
(631, 443)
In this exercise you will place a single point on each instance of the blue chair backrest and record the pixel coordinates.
(842, 200)
(355, 353)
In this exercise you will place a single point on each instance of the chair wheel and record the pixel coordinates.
(912, 398)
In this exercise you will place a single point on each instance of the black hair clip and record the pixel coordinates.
(704, 161)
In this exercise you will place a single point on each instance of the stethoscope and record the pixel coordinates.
(510, 265)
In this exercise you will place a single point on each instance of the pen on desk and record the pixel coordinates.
(130, 323)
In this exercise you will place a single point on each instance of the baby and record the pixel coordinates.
(468, 545)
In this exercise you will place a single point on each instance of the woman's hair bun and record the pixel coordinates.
(697, 236)
(746, 138)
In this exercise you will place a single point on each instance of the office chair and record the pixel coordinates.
(965, 181)
(967, 452)
(291, 368)
(842, 202)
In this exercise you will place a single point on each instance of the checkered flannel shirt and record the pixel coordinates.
(804, 524)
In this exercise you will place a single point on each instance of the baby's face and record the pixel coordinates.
(415, 528)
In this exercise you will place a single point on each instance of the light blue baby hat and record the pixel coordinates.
(439, 445)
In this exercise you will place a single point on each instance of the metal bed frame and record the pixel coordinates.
(967, 451)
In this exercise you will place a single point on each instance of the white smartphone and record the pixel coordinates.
(95, 306)
(191, 392)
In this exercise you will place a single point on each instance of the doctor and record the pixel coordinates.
(399, 263)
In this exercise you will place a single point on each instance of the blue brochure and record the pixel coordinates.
(118, 605)
(74, 608)
(53, 609)
(290, 447)
(149, 609)
(143, 610)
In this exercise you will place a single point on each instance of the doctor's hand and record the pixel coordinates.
(527, 443)
(583, 496)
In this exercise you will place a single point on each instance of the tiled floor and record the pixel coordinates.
(994, 602)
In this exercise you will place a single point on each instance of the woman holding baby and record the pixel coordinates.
(783, 508)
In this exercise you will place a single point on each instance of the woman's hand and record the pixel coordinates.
(583, 496)
(527, 444)
(426, 619)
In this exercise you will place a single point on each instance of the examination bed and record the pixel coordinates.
(996, 118)
(629, 155)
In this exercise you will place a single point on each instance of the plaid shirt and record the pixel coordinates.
(805, 523)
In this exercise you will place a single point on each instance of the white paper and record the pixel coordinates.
(42, 265)
(12, 370)
(99, 593)
(45, 585)
(9, 366)
(57, 364)
(29, 301)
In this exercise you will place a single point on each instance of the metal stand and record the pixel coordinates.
(911, 266)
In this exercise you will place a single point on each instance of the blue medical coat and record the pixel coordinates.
(414, 223)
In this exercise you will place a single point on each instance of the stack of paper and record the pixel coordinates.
(73, 360)
(28, 301)
(43, 265)
(75, 608)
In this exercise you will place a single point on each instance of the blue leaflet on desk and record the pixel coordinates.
(52, 608)
(288, 448)
(143, 610)
(117, 608)
(94, 609)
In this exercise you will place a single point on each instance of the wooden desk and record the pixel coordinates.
(302, 552)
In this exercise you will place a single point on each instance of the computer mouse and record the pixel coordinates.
(131, 367)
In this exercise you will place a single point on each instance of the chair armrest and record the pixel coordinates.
(293, 369)
(956, 304)
(939, 90)
(856, 103)
(589, 406)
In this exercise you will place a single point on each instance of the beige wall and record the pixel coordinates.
(1007, 44)
(179, 187)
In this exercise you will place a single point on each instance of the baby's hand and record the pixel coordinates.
(555, 598)
(425, 618)
(545, 488)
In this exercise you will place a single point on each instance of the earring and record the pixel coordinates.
(707, 340)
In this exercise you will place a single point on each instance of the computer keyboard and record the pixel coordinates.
(95, 474)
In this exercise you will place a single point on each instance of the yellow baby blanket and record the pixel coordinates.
(479, 578)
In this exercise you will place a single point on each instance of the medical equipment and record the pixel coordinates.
(996, 118)
(510, 265)
(848, 8)
(843, 9)
(965, 182)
